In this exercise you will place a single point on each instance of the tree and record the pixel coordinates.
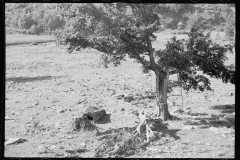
(25, 22)
(24, 15)
(34, 29)
(114, 30)
(52, 21)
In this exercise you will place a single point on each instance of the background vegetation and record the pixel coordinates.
(45, 18)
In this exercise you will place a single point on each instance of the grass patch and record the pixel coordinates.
(15, 39)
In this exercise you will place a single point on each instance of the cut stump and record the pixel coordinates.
(94, 114)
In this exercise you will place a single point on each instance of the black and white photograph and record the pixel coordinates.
(119, 80)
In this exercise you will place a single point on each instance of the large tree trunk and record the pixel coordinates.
(161, 96)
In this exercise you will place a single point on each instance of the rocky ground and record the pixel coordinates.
(46, 88)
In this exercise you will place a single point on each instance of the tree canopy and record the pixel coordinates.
(114, 30)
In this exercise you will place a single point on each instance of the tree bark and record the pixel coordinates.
(161, 90)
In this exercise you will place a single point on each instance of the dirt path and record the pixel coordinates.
(46, 88)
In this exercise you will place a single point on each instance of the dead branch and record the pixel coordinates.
(122, 146)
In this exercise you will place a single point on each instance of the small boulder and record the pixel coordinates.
(189, 127)
(128, 98)
(120, 96)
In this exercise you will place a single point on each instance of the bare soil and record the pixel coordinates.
(46, 88)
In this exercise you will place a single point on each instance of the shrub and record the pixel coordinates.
(198, 21)
(229, 29)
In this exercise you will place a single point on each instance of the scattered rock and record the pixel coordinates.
(135, 113)
(198, 142)
(57, 125)
(189, 127)
(120, 96)
(128, 98)
(179, 111)
(52, 147)
(122, 109)
(13, 113)
(32, 105)
(41, 148)
(35, 103)
(62, 111)
(113, 92)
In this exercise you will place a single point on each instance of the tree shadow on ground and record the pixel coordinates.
(224, 119)
(212, 122)
(162, 128)
(32, 79)
(229, 108)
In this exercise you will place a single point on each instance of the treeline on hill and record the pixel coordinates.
(45, 18)
(32, 18)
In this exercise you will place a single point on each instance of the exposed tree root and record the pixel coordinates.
(128, 143)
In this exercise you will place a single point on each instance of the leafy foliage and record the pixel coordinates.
(25, 15)
(108, 29)
(198, 53)
(120, 29)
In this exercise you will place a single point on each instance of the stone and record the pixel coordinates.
(120, 96)
(52, 147)
(94, 113)
(57, 125)
(189, 127)
(122, 109)
(12, 113)
(128, 98)
(178, 111)
(62, 111)
(41, 148)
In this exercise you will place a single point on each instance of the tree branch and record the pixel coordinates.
(137, 55)
(142, 62)
(173, 72)
(150, 51)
